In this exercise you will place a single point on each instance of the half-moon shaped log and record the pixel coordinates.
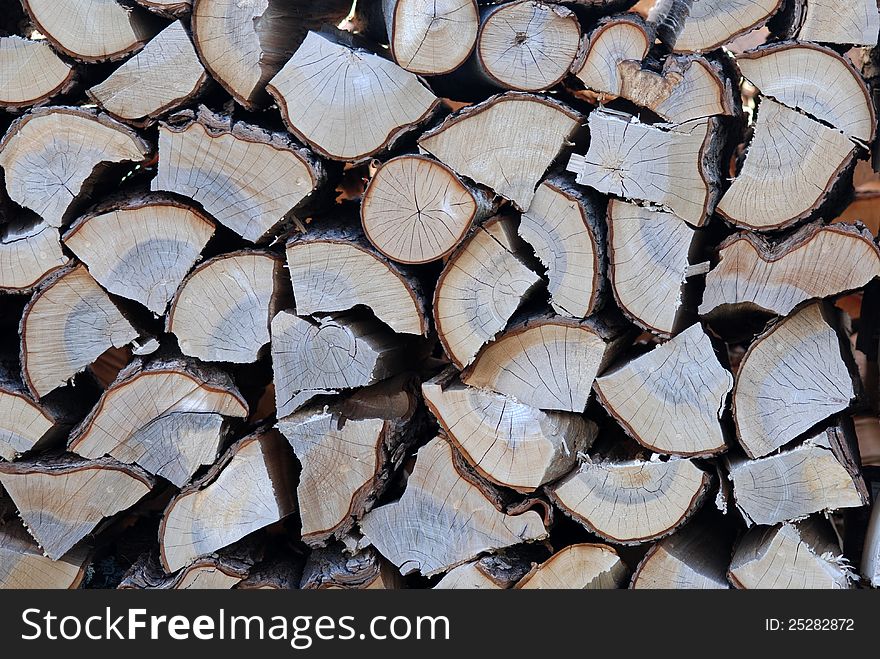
(615, 40)
(31, 73)
(23, 565)
(578, 567)
(694, 26)
(29, 251)
(431, 39)
(692, 558)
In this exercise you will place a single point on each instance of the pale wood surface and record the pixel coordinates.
(581, 567)
(30, 72)
(23, 565)
(616, 40)
(853, 22)
(168, 8)
(493, 572)
(870, 567)
(431, 38)
(710, 24)
(693, 558)
(28, 253)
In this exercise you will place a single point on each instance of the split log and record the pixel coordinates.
(365, 570)
(792, 377)
(494, 572)
(533, 130)
(870, 567)
(675, 166)
(819, 474)
(507, 442)
(582, 567)
(548, 363)
(68, 323)
(62, 499)
(624, 38)
(634, 501)
(349, 452)
(671, 399)
(794, 556)
(792, 166)
(443, 519)
(31, 73)
(23, 565)
(165, 415)
(372, 104)
(167, 8)
(223, 309)
(845, 22)
(51, 156)
(141, 247)
(695, 26)
(693, 558)
(334, 270)
(565, 228)
(249, 488)
(220, 571)
(431, 39)
(815, 80)
(29, 251)
(166, 74)
(327, 354)
(754, 273)
(91, 31)
(483, 284)
(213, 160)
(527, 45)
(417, 210)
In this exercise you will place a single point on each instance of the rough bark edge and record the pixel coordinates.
(593, 36)
(64, 87)
(175, 10)
(392, 21)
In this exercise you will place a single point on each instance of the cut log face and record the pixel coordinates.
(790, 169)
(24, 424)
(91, 31)
(431, 39)
(704, 25)
(166, 416)
(850, 22)
(223, 310)
(61, 500)
(632, 502)
(527, 45)
(481, 287)
(615, 41)
(493, 572)
(28, 253)
(324, 355)
(870, 567)
(672, 166)
(31, 73)
(141, 248)
(23, 565)
(671, 400)
(245, 177)
(693, 558)
(814, 80)
(249, 488)
(366, 570)
(67, 325)
(790, 556)
(753, 273)
(581, 567)
(791, 378)
(166, 74)
(649, 258)
(533, 130)
(565, 228)
(372, 104)
(507, 442)
(548, 363)
(443, 520)
(49, 154)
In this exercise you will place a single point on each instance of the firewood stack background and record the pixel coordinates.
(432, 294)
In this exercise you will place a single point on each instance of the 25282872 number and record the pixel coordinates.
(821, 624)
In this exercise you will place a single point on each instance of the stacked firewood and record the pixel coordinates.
(439, 293)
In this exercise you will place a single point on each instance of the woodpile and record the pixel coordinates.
(450, 294)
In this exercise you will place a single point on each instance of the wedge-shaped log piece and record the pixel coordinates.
(815, 80)
(223, 309)
(632, 502)
(326, 354)
(848, 22)
(431, 38)
(791, 378)
(693, 558)
(671, 399)
(417, 210)
(334, 270)
(23, 565)
(791, 168)
(548, 363)
(674, 166)
(141, 248)
(443, 519)
(330, 569)
(618, 39)
(790, 556)
(220, 571)
(166, 74)
(349, 452)
(165, 415)
(565, 228)
(67, 325)
(245, 177)
(506, 143)
(29, 251)
(91, 30)
(348, 104)
(814, 262)
(167, 8)
(483, 284)
(493, 572)
(581, 567)
(250, 487)
(50, 156)
(507, 442)
(62, 499)
(31, 72)
(703, 25)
